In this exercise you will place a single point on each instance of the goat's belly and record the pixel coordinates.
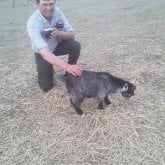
(89, 96)
(90, 93)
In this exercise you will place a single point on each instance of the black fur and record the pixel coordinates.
(95, 84)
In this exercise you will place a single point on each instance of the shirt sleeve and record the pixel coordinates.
(34, 33)
(67, 27)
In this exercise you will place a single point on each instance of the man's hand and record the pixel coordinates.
(62, 35)
(55, 33)
(75, 70)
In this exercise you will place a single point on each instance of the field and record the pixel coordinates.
(123, 37)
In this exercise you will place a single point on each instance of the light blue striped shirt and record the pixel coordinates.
(36, 25)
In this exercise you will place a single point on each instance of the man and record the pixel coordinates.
(59, 42)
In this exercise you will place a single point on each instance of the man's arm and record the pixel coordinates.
(63, 35)
(56, 61)
(67, 31)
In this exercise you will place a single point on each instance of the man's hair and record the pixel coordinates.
(38, 1)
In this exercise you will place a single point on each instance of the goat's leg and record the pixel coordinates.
(101, 98)
(107, 101)
(76, 101)
(100, 101)
(101, 106)
(71, 102)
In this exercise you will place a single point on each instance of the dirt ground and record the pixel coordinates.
(123, 37)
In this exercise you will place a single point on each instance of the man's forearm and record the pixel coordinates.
(52, 59)
(62, 35)
(56, 61)
(66, 35)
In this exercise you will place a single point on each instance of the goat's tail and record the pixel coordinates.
(61, 78)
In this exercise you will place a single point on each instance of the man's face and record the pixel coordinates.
(46, 8)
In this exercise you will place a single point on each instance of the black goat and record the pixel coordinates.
(95, 84)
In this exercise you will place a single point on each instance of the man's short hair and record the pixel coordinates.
(38, 1)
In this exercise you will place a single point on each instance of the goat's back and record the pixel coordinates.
(88, 78)
(88, 84)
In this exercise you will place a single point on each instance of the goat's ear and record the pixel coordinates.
(133, 82)
(125, 87)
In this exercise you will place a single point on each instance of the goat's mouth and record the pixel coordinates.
(126, 95)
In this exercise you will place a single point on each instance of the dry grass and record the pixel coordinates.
(125, 38)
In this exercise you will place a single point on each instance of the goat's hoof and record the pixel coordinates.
(79, 111)
(107, 103)
(101, 106)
